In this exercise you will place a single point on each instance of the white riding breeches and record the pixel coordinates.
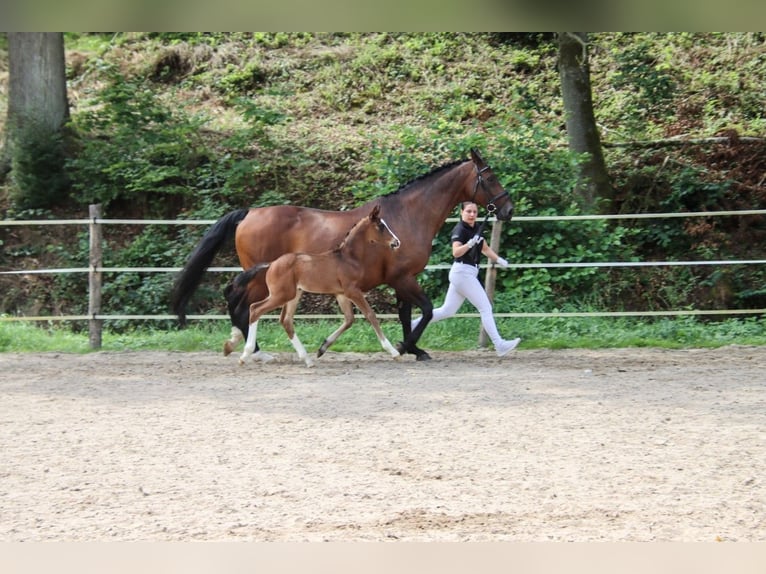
(464, 284)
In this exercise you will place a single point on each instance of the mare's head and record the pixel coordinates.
(373, 229)
(487, 190)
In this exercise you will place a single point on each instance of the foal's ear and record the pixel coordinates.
(477, 158)
(375, 211)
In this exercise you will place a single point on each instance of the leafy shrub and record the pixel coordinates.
(132, 147)
(38, 177)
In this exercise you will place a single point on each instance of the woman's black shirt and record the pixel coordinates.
(463, 233)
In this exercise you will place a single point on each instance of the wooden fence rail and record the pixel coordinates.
(96, 270)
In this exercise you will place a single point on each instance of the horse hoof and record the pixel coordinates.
(262, 356)
(401, 348)
(423, 356)
(227, 349)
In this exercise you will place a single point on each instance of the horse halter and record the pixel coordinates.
(396, 242)
(490, 207)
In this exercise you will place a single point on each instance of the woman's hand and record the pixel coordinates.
(474, 240)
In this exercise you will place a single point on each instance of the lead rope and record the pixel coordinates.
(479, 232)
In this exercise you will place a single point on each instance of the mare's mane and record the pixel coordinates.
(433, 173)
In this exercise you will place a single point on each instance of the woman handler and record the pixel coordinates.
(467, 247)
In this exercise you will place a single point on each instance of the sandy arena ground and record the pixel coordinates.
(613, 445)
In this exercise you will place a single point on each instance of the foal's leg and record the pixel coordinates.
(252, 333)
(256, 310)
(348, 319)
(236, 338)
(286, 318)
(360, 301)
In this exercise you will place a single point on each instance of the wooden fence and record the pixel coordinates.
(95, 269)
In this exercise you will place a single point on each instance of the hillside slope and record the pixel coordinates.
(340, 94)
(192, 125)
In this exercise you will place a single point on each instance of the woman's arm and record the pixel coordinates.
(494, 257)
(489, 252)
(460, 249)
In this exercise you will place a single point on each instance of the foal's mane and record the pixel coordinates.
(345, 238)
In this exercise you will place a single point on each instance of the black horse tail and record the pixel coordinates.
(200, 259)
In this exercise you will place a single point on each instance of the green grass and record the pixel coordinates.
(455, 334)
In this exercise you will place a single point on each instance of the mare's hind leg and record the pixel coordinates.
(237, 300)
(286, 318)
(231, 344)
(348, 319)
(360, 301)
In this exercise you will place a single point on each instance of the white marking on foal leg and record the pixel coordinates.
(301, 350)
(250, 344)
(390, 348)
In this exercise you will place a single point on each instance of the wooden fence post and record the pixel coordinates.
(94, 277)
(491, 274)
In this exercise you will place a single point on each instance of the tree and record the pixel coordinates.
(574, 71)
(37, 112)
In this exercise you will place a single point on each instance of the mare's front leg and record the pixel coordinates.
(286, 318)
(406, 295)
(348, 319)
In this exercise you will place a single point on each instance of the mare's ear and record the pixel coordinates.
(477, 158)
(375, 212)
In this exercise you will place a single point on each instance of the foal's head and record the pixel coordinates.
(372, 229)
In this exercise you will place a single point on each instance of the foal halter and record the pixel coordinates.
(491, 207)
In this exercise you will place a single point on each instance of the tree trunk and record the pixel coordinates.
(574, 71)
(37, 111)
(37, 79)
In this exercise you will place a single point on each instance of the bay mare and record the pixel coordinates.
(417, 210)
(345, 271)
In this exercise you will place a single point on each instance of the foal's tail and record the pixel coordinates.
(200, 259)
(241, 281)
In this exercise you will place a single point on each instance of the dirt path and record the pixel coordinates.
(631, 444)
